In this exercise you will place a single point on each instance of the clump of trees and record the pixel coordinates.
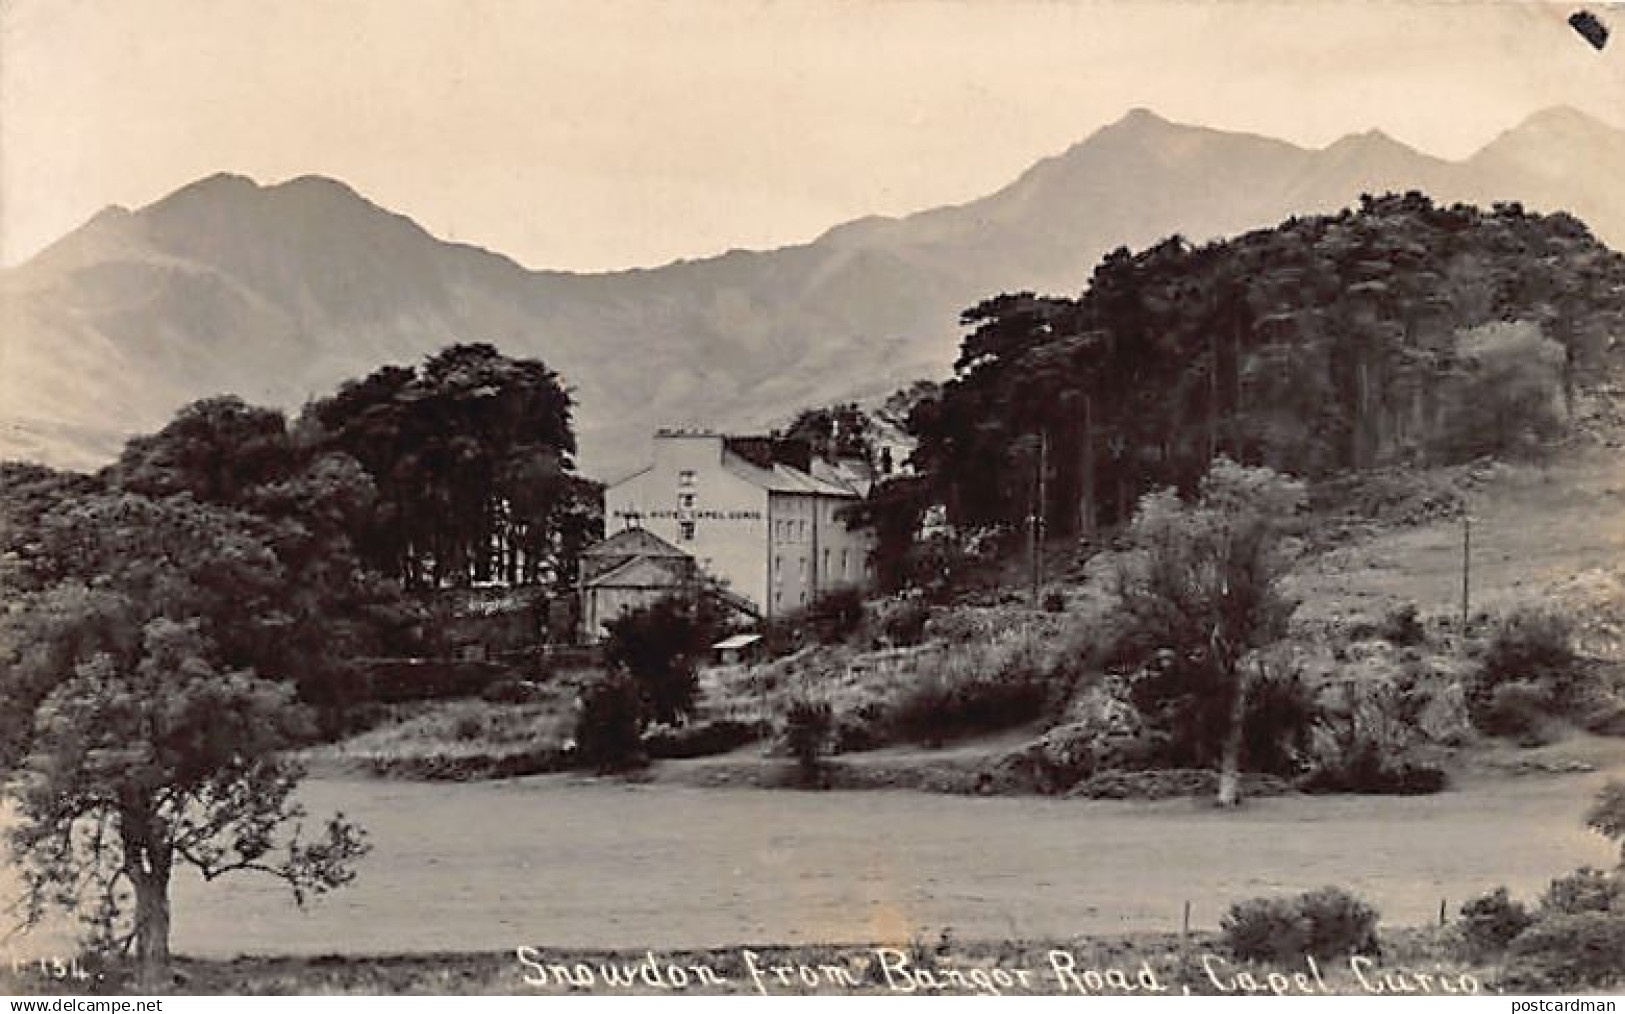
(178, 622)
(1326, 343)
(472, 457)
(310, 507)
(838, 431)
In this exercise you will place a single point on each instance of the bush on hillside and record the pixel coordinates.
(609, 724)
(699, 739)
(1281, 711)
(903, 622)
(1367, 743)
(1530, 669)
(943, 706)
(835, 616)
(808, 725)
(1517, 709)
(1402, 627)
(510, 691)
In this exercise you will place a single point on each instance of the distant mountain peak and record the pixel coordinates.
(1143, 115)
(226, 188)
(281, 290)
(1373, 142)
(314, 183)
(213, 186)
(1561, 117)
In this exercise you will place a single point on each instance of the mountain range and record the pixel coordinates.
(280, 292)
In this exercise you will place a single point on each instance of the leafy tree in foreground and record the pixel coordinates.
(139, 731)
(1203, 591)
(134, 771)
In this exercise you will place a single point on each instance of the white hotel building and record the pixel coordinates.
(748, 515)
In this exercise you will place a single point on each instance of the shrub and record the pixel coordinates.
(904, 624)
(661, 646)
(936, 708)
(1607, 815)
(1366, 744)
(1266, 929)
(837, 614)
(976, 687)
(1516, 709)
(1339, 923)
(1531, 655)
(1402, 627)
(1567, 952)
(1365, 771)
(609, 724)
(1490, 921)
(508, 691)
(1323, 923)
(703, 739)
(1584, 890)
(469, 727)
(1501, 402)
(807, 727)
(1275, 732)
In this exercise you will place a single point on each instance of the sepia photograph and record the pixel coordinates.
(1093, 498)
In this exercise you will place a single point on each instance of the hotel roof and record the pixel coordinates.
(782, 478)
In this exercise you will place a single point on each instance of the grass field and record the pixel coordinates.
(1553, 533)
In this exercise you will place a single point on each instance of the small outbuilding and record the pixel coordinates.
(740, 648)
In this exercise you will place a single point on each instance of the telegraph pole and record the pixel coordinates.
(1038, 517)
(1466, 567)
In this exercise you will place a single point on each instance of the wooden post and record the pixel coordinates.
(1186, 925)
(1442, 918)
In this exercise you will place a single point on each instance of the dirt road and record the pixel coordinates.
(559, 862)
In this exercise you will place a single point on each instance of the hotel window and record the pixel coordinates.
(685, 529)
(826, 563)
(844, 563)
(803, 529)
(685, 501)
(685, 477)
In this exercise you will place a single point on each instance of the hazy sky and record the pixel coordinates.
(605, 133)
